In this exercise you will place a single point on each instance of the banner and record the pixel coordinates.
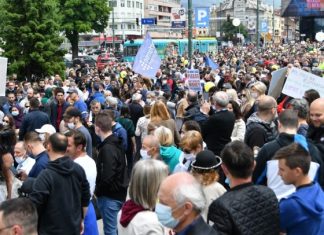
(3, 75)
(194, 80)
(178, 17)
(277, 82)
(299, 81)
(147, 60)
(209, 62)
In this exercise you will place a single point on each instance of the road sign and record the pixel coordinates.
(202, 17)
(148, 20)
(264, 26)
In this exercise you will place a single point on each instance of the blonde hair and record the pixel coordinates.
(146, 178)
(232, 94)
(164, 135)
(191, 140)
(159, 112)
(260, 87)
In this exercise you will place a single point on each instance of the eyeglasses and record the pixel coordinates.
(6, 121)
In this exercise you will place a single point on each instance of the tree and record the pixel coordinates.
(230, 30)
(29, 32)
(82, 16)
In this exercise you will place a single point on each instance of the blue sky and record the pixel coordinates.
(210, 2)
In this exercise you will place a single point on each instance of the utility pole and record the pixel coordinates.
(190, 31)
(273, 22)
(257, 25)
(113, 27)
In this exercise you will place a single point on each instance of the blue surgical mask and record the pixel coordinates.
(164, 214)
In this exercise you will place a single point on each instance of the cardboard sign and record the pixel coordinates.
(194, 80)
(300, 81)
(277, 82)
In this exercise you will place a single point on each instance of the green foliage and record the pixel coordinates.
(29, 32)
(231, 31)
(82, 16)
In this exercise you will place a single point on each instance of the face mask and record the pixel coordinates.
(42, 136)
(227, 181)
(149, 101)
(189, 156)
(164, 214)
(144, 154)
(19, 97)
(71, 125)
(254, 95)
(19, 159)
(5, 123)
(15, 113)
(164, 82)
(244, 99)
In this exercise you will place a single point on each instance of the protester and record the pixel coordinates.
(303, 211)
(239, 128)
(61, 192)
(244, 198)
(18, 216)
(150, 148)
(316, 129)
(181, 200)
(137, 215)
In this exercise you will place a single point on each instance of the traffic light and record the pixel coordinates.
(137, 21)
(228, 18)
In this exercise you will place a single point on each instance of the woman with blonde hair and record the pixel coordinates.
(191, 144)
(137, 216)
(160, 116)
(204, 169)
(247, 102)
(168, 152)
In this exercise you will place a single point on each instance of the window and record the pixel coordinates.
(137, 4)
(133, 3)
(122, 3)
(128, 3)
(131, 50)
(129, 26)
(141, 5)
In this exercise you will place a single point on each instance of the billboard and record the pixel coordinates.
(302, 8)
(178, 17)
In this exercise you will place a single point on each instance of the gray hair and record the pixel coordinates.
(190, 191)
(221, 99)
(146, 178)
(301, 106)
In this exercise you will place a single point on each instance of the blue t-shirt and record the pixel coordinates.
(40, 164)
(82, 107)
(303, 211)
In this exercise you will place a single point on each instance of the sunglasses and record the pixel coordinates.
(6, 121)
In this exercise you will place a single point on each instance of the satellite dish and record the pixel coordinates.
(319, 36)
(236, 22)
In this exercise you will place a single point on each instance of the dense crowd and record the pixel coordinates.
(152, 156)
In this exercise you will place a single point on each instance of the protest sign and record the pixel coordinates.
(3, 75)
(194, 80)
(277, 82)
(300, 81)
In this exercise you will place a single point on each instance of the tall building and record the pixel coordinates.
(122, 21)
(161, 9)
(246, 11)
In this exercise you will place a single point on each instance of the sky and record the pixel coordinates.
(208, 3)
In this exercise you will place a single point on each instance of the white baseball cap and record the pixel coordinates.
(47, 128)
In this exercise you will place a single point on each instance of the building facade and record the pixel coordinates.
(161, 9)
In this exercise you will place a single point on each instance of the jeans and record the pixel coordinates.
(109, 209)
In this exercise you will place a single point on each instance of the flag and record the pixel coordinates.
(210, 63)
(147, 60)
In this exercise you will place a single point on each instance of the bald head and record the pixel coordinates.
(221, 99)
(316, 112)
(151, 144)
(192, 97)
(266, 103)
(19, 150)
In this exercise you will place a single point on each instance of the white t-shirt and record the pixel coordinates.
(26, 165)
(89, 166)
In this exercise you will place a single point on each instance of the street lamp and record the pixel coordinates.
(236, 23)
(190, 31)
(113, 4)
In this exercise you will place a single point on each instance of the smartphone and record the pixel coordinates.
(14, 171)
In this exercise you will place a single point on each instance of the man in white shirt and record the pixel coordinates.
(77, 151)
(25, 163)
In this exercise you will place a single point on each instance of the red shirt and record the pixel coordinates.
(59, 115)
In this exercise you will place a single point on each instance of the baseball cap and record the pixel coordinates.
(47, 128)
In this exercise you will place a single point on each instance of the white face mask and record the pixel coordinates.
(255, 95)
(15, 113)
(244, 99)
(144, 154)
(5, 123)
(189, 156)
(71, 125)
(149, 101)
(19, 159)
(164, 82)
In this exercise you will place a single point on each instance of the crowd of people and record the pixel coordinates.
(152, 156)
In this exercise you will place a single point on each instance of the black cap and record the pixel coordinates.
(206, 160)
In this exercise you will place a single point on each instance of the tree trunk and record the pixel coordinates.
(74, 40)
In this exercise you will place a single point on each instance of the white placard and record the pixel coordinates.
(277, 82)
(300, 81)
(178, 14)
(3, 75)
(194, 80)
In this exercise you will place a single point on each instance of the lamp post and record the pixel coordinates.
(257, 25)
(113, 4)
(273, 22)
(190, 31)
